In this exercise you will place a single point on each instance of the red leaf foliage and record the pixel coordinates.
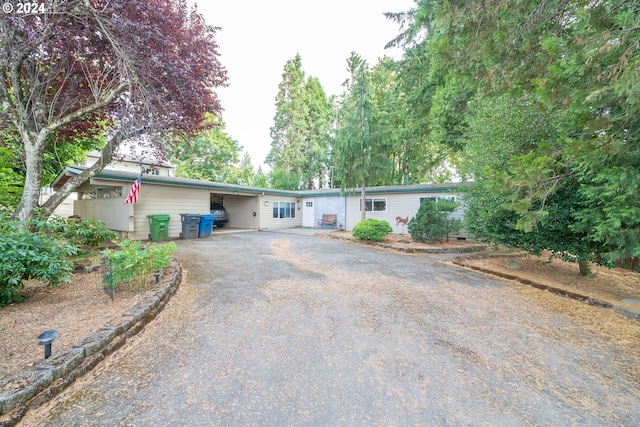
(149, 62)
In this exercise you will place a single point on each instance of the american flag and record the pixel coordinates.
(133, 193)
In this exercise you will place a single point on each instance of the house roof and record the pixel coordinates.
(139, 161)
(127, 176)
(387, 189)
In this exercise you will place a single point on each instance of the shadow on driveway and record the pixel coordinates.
(281, 328)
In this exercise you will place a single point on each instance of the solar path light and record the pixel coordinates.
(45, 339)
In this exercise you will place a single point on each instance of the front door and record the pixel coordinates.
(308, 213)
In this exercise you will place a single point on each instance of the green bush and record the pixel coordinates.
(29, 253)
(371, 229)
(86, 234)
(431, 223)
(134, 263)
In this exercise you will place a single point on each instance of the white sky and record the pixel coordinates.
(259, 36)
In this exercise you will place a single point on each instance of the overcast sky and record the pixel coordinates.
(259, 36)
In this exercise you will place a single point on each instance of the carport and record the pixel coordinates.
(248, 207)
(240, 208)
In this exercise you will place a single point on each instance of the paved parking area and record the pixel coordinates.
(273, 328)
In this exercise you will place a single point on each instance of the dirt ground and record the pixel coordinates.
(611, 285)
(81, 307)
(406, 339)
(74, 310)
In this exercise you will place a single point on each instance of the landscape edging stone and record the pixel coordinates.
(461, 261)
(45, 380)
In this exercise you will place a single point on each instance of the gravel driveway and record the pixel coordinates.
(283, 329)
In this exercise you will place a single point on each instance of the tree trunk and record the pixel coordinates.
(585, 268)
(363, 201)
(34, 162)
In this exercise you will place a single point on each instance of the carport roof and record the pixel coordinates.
(126, 176)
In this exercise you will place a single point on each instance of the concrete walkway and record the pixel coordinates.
(281, 328)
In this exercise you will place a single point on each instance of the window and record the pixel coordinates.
(434, 199)
(374, 205)
(309, 204)
(284, 209)
(109, 193)
(102, 193)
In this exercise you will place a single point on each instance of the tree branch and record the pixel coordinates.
(108, 99)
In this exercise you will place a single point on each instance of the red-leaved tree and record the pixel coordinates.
(118, 69)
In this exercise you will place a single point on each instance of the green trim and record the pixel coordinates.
(191, 183)
(399, 189)
(448, 189)
(210, 185)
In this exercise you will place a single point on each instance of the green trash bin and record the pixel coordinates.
(159, 226)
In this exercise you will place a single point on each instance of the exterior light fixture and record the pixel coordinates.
(266, 203)
(45, 339)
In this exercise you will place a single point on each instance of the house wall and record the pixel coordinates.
(116, 215)
(268, 222)
(240, 210)
(331, 205)
(404, 205)
(162, 199)
(131, 166)
(64, 209)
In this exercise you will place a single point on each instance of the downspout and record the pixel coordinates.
(345, 212)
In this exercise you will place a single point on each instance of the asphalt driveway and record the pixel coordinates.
(283, 329)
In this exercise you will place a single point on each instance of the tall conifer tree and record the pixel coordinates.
(361, 146)
(300, 127)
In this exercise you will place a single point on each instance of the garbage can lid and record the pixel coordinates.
(159, 216)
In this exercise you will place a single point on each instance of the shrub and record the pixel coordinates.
(31, 254)
(431, 223)
(371, 229)
(135, 263)
(86, 234)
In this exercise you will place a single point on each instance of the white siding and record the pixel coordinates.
(268, 222)
(240, 210)
(115, 214)
(163, 199)
(64, 209)
(403, 205)
(130, 166)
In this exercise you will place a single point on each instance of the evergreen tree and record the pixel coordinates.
(578, 61)
(362, 145)
(299, 135)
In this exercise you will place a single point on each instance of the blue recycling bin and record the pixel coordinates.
(190, 225)
(206, 225)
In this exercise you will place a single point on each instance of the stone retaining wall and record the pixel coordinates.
(49, 378)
